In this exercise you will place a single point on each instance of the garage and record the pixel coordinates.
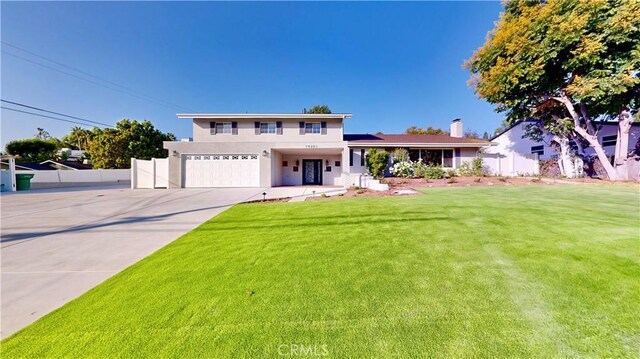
(222, 170)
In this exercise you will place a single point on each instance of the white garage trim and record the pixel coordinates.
(221, 170)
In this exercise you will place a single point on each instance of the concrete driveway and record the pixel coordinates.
(57, 244)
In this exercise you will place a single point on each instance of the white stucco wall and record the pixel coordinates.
(247, 133)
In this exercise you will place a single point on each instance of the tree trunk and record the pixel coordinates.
(622, 161)
(570, 165)
(592, 139)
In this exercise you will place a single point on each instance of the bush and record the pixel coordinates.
(377, 162)
(32, 149)
(419, 169)
(400, 155)
(472, 168)
(402, 169)
(452, 180)
(450, 173)
(434, 172)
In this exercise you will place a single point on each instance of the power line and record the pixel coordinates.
(126, 92)
(55, 113)
(90, 75)
(51, 117)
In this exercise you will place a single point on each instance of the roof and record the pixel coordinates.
(69, 164)
(273, 116)
(34, 166)
(414, 140)
(49, 165)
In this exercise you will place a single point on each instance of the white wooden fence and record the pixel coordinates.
(511, 164)
(152, 173)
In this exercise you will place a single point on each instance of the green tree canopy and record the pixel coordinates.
(564, 59)
(114, 148)
(415, 130)
(78, 138)
(318, 109)
(32, 149)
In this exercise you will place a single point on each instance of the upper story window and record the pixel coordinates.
(219, 128)
(537, 150)
(312, 127)
(609, 140)
(268, 127)
(223, 127)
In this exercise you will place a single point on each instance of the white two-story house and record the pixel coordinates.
(269, 150)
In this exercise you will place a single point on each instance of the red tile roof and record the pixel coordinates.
(413, 139)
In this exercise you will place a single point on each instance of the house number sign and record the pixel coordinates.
(311, 146)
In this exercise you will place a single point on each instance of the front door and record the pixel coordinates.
(312, 172)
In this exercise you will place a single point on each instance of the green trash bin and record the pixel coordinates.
(23, 181)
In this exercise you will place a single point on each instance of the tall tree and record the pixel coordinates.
(579, 58)
(79, 137)
(42, 134)
(114, 148)
(318, 109)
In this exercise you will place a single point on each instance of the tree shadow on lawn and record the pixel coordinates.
(11, 237)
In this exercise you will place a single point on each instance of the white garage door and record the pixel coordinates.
(212, 170)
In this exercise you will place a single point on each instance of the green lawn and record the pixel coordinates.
(531, 271)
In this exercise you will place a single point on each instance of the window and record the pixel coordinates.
(337, 164)
(537, 150)
(351, 157)
(442, 158)
(285, 163)
(268, 127)
(223, 127)
(609, 140)
(447, 158)
(312, 127)
(573, 145)
(362, 157)
(433, 157)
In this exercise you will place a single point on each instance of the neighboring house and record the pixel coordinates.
(268, 150)
(72, 155)
(511, 140)
(48, 165)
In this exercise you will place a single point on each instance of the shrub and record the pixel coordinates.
(402, 169)
(434, 172)
(32, 149)
(400, 155)
(450, 173)
(452, 180)
(360, 191)
(377, 161)
(419, 169)
(471, 168)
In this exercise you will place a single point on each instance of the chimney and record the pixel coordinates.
(455, 129)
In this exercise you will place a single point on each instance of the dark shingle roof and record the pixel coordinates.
(415, 139)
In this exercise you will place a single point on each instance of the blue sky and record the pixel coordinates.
(392, 65)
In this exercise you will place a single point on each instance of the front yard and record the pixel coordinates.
(517, 271)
